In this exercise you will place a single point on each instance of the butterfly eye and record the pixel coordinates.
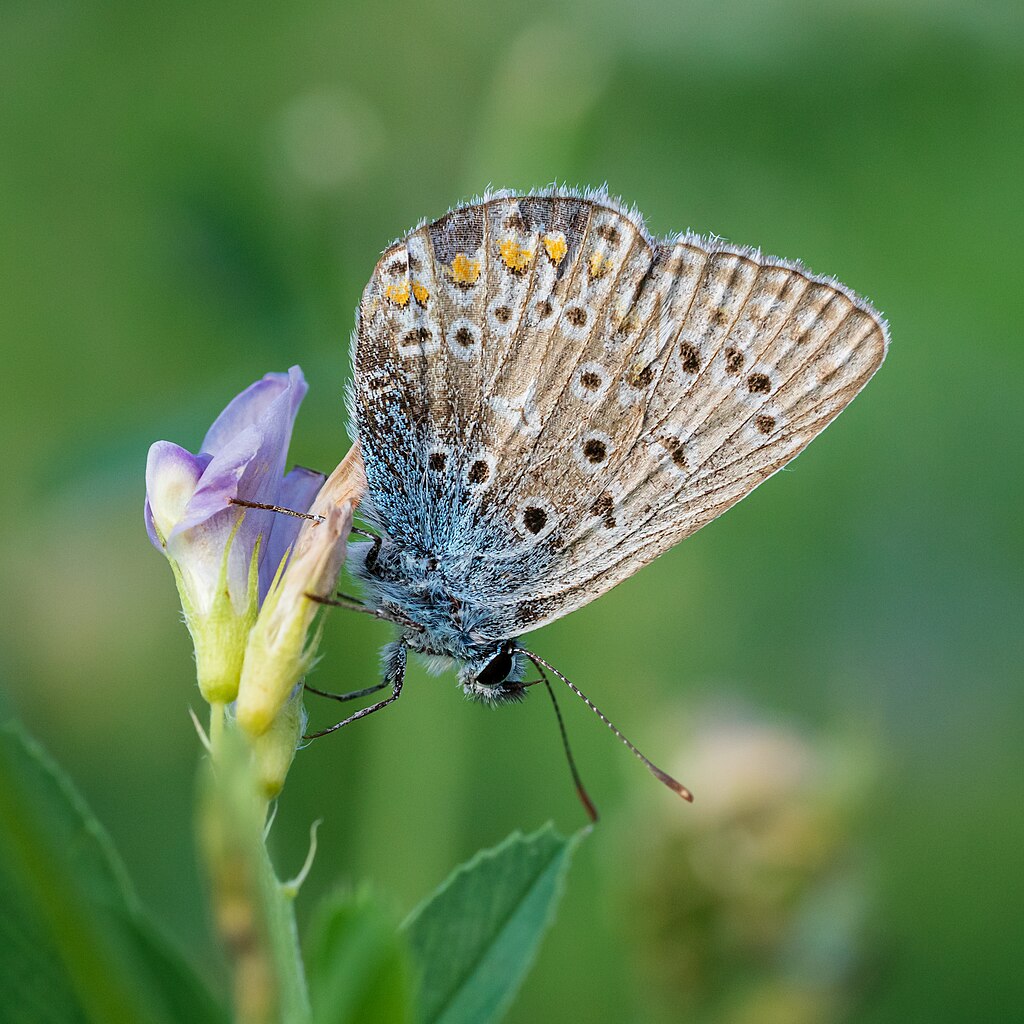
(496, 670)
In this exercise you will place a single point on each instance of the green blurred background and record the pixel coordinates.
(195, 193)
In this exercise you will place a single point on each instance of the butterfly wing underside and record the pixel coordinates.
(553, 398)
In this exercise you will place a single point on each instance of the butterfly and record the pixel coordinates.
(547, 398)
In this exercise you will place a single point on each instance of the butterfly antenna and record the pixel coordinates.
(242, 503)
(581, 790)
(280, 509)
(660, 775)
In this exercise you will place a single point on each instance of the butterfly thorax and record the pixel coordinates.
(426, 594)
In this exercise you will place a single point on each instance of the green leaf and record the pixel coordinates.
(475, 938)
(75, 946)
(358, 964)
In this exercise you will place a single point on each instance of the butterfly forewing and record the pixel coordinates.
(550, 398)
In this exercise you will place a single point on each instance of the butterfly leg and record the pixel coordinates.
(346, 601)
(353, 604)
(395, 675)
(354, 695)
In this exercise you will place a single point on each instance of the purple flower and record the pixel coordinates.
(224, 557)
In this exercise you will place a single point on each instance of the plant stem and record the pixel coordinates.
(253, 915)
(217, 713)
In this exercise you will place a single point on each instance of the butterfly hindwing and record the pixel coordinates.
(548, 398)
(745, 384)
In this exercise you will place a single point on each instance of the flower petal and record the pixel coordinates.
(246, 464)
(249, 463)
(255, 405)
(223, 476)
(172, 475)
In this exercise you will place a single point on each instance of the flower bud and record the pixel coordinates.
(279, 654)
(274, 751)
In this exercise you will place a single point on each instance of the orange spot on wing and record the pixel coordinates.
(398, 293)
(464, 270)
(514, 256)
(556, 247)
(420, 294)
(599, 265)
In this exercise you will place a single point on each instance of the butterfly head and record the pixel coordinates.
(494, 674)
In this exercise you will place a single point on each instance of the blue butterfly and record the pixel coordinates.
(546, 398)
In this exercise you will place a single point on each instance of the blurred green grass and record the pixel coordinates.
(195, 195)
